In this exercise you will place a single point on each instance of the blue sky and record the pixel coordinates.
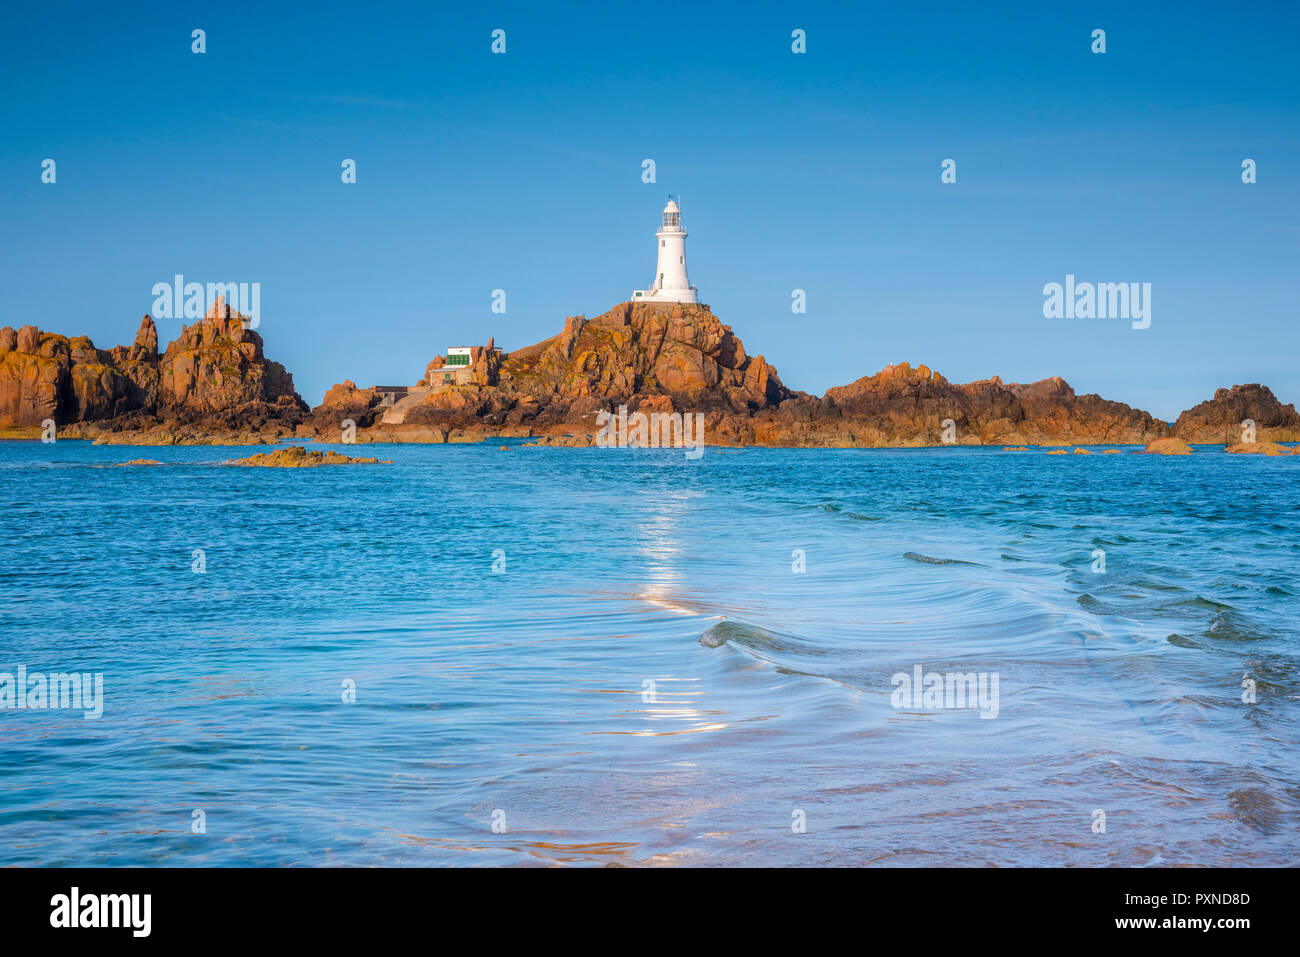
(818, 171)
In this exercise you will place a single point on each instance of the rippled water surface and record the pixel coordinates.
(646, 678)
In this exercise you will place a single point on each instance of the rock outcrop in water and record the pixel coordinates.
(1168, 446)
(902, 405)
(1262, 448)
(651, 358)
(297, 457)
(682, 359)
(1220, 419)
(212, 383)
(680, 356)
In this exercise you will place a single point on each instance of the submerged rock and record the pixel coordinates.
(1262, 448)
(1168, 446)
(297, 457)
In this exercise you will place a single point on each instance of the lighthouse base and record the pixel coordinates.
(666, 295)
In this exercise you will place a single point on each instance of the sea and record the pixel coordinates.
(499, 654)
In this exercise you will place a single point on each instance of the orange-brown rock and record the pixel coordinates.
(682, 358)
(1219, 420)
(345, 395)
(648, 357)
(1168, 446)
(214, 373)
(902, 405)
(297, 457)
(1262, 448)
(217, 364)
(680, 351)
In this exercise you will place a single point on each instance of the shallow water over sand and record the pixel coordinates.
(567, 695)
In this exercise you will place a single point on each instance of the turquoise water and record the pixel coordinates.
(519, 696)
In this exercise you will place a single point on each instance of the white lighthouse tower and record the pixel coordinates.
(670, 282)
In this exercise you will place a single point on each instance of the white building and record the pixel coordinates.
(670, 282)
(455, 369)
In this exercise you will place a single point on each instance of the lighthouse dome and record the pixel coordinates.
(672, 216)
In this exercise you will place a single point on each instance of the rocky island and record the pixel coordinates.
(681, 358)
(211, 386)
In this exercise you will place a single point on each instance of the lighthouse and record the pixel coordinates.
(670, 283)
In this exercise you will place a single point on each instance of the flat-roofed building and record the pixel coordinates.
(455, 369)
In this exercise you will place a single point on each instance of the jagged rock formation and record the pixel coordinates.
(906, 406)
(1220, 419)
(681, 358)
(649, 357)
(213, 377)
(636, 351)
(345, 401)
(903, 405)
(681, 351)
(49, 376)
